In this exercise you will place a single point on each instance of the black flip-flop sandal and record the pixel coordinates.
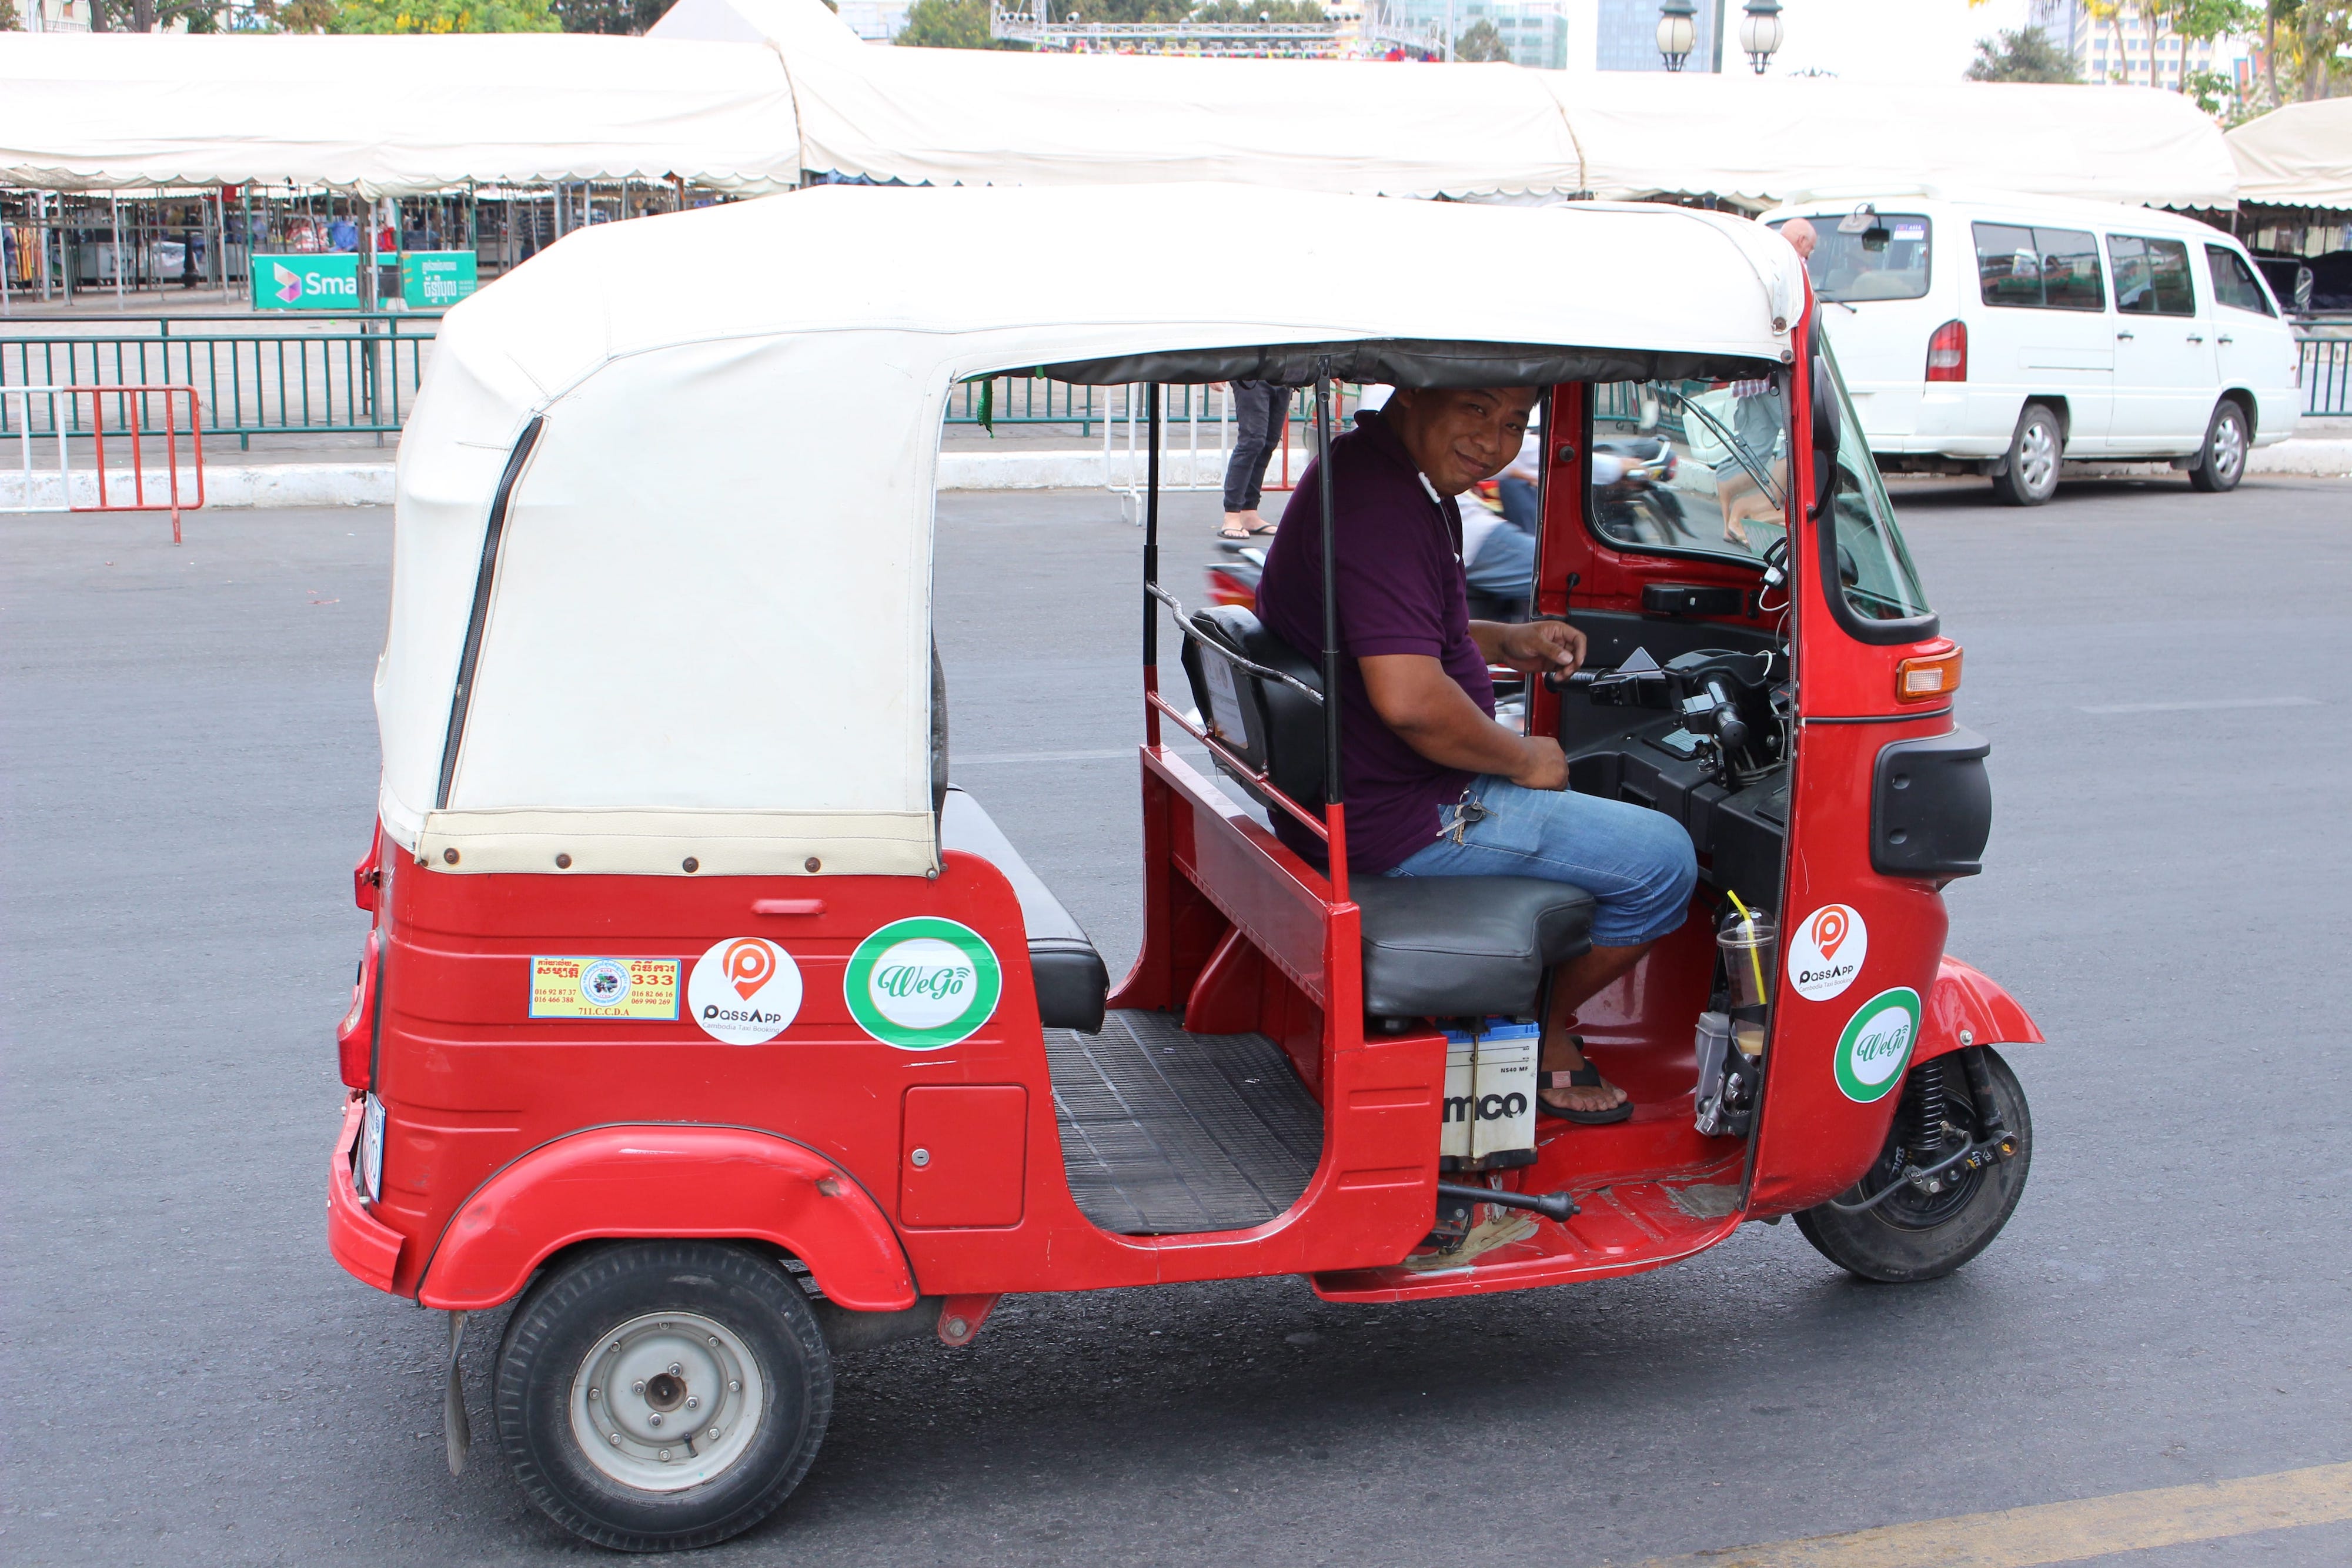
(1585, 1077)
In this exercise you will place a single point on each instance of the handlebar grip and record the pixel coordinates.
(1552, 683)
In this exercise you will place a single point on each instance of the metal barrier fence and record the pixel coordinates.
(355, 378)
(2326, 375)
(134, 420)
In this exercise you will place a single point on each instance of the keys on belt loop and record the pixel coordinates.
(1467, 814)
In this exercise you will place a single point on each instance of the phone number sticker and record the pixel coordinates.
(603, 988)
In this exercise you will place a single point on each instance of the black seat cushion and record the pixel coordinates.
(1463, 946)
(1072, 985)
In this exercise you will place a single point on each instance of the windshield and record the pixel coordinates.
(1690, 466)
(1873, 567)
(1703, 467)
(1868, 255)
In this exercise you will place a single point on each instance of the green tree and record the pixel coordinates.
(2026, 55)
(296, 15)
(1480, 41)
(627, 17)
(948, 25)
(443, 16)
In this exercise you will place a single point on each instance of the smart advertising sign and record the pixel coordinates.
(330, 281)
(435, 280)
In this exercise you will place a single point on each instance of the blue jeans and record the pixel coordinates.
(1637, 864)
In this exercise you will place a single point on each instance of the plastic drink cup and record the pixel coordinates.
(1748, 943)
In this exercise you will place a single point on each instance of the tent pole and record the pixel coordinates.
(116, 198)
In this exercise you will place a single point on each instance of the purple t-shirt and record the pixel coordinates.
(1401, 591)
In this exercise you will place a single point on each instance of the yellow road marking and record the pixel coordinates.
(2064, 1531)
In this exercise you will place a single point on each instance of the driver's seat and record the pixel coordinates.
(1435, 947)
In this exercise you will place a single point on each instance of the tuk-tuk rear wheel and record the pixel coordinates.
(659, 1395)
(1909, 1238)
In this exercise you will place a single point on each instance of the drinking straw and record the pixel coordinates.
(1754, 956)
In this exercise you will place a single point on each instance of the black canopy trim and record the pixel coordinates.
(1410, 362)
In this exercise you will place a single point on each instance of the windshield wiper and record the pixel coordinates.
(1741, 452)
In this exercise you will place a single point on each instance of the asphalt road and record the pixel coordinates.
(189, 764)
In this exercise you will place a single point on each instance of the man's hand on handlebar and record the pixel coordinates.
(1551, 648)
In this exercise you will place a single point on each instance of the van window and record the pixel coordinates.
(1869, 255)
(2151, 276)
(2039, 268)
(2234, 283)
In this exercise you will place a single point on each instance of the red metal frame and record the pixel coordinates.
(508, 1138)
(134, 397)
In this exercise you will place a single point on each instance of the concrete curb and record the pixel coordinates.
(238, 487)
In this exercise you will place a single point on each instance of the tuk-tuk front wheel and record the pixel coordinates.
(658, 1395)
(1910, 1235)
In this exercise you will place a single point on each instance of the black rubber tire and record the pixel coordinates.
(2222, 461)
(2036, 449)
(1872, 1247)
(575, 1303)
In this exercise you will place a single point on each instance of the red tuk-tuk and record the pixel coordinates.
(704, 1020)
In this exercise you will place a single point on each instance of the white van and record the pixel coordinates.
(1999, 335)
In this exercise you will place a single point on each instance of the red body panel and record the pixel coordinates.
(1968, 1009)
(368, 1249)
(668, 1181)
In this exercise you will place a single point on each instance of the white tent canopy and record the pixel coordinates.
(950, 117)
(2299, 156)
(945, 117)
(1763, 139)
(387, 116)
(709, 634)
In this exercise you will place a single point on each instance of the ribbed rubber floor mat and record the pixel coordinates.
(1165, 1132)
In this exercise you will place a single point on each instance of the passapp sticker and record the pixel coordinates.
(603, 988)
(1876, 1045)
(1827, 951)
(922, 984)
(745, 990)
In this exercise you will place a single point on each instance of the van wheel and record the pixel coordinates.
(656, 1395)
(2222, 461)
(2030, 476)
(1915, 1234)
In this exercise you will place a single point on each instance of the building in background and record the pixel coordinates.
(1537, 32)
(53, 15)
(875, 20)
(1626, 37)
(2128, 48)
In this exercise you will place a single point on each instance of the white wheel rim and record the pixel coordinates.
(2037, 456)
(2229, 448)
(668, 1401)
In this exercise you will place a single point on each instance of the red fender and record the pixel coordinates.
(1968, 1009)
(668, 1181)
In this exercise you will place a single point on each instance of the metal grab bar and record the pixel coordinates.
(1263, 672)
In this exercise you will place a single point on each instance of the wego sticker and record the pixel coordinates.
(745, 990)
(1876, 1045)
(603, 988)
(1826, 953)
(922, 984)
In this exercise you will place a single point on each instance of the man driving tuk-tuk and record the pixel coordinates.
(1438, 788)
(707, 1026)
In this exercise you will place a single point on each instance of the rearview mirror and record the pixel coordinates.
(1876, 238)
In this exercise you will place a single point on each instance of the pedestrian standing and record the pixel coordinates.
(1260, 408)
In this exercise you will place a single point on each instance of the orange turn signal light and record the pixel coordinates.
(1935, 675)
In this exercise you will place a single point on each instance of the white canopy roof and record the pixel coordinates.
(1765, 138)
(950, 117)
(387, 115)
(2299, 156)
(709, 630)
(944, 117)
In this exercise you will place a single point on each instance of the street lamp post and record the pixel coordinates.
(1676, 31)
(1761, 32)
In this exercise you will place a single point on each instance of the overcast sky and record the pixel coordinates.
(1883, 40)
